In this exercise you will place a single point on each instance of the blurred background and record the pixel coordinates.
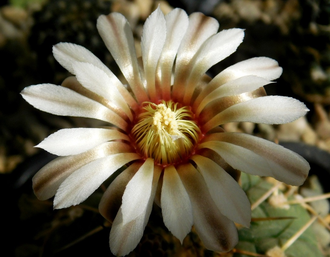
(294, 32)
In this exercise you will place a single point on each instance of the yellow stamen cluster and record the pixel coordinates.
(165, 133)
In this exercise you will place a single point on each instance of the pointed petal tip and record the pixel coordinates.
(56, 46)
(38, 146)
(60, 205)
(25, 91)
(61, 202)
(63, 205)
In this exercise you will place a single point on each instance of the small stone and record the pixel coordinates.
(327, 143)
(309, 136)
(8, 30)
(129, 9)
(267, 131)
(318, 74)
(232, 127)
(323, 129)
(225, 11)
(322, 124)
(12, 162)
(144, 7)
(164, 6)
(15, 15)
(251, 11)
(247, 127)
(292, 131)
(322, 145)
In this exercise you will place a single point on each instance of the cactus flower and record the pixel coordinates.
(164, 129)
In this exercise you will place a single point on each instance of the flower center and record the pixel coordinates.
(165, 132)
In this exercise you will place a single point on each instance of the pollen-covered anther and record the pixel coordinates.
(166, 133)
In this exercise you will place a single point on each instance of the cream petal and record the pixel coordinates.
(228, 196)
(124, 237)
(176, 24)
(233, 87)
(240, 158)
(247, 161)
(216, 231)
(118, 38)
(78, 140)
(241, 85)
(63, 101)
(200, 28)
(138, 192)
(214, 50)
(220, 104)
(272, 159)
(263, 67)
(97, 81)
(221, 162)
(67, 54)
(112, 197)
(152, 42)
(84, 181)
(175, 204)
(50, 177)
(267, 110)
(73, 84)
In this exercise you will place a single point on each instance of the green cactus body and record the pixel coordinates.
(264, 234)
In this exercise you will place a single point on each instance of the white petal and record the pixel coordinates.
(263, 67)
(200, 28)
(175, 203)
(217, 232)
(240, 158)
(176, 24)
(67, 54)
(241, 85)
(112, 198)
(225, 191)
(84, 181)
(63, 101)
(234, 87)
(260, 157)
(124, 237)
(97, 81)
(117, 36)
(47, 180)
(220, 104)
(214, 50)
(152, 42)
(247, 161)
(267, 110)
(138, 192)
(77, 140)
